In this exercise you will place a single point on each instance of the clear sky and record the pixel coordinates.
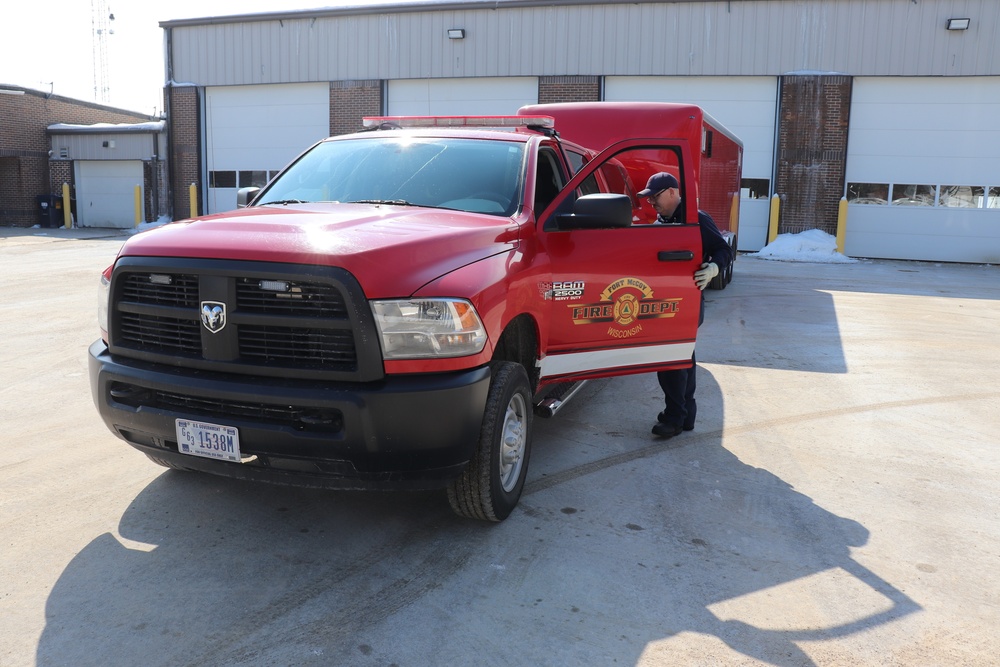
(48, 45)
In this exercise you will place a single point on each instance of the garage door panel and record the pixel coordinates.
(105, 192)
(957, 144)
(487, 96)
(922, 90)
(934, 117)
(893, 233)
(924, 131)
(875, 170)
(260, 128)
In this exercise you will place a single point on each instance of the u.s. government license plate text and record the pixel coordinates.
(209, 440)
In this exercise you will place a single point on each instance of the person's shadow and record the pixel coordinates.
(621, 543)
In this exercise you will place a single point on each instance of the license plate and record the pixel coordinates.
(212, 441)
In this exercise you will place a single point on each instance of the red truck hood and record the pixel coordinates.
(391, 250)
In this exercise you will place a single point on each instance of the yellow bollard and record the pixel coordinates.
(772, 226)
(841, 224)
(67, 214)
(734, 214)
(193, 199)
(138, 205)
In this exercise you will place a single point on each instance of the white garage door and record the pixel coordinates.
(105, 192)
(746, 105)
(449, 97)
(251, 132)
(923, 172)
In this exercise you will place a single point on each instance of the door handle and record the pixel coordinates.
(675, 255)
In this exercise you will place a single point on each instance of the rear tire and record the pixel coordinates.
(720, 281)
(490, 486)
(725, 273)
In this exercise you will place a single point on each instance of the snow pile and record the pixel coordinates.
(108, 128)
(812, 245)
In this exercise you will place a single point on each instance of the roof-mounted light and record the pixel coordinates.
(546, 122)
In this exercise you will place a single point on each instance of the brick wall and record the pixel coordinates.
(61, 171)
(555, 89)
(24, 147)
(813, 117)
(350, 101)
(183, 133)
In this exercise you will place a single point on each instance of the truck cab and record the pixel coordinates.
(395, 306)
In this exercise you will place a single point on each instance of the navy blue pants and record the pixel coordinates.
(678, 395)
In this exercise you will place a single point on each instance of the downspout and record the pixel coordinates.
(168, 88)
(156, 176)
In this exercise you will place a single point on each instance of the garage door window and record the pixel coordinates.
(254, 179)
(962, 196)
(907, 194)
(755, 188)
(868, 193)
(222, 179)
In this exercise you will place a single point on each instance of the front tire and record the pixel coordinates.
(491, 484)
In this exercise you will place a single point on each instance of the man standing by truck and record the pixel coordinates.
(663, 193)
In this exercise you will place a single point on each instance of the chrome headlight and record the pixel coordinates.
(428, 328)
(103, 296)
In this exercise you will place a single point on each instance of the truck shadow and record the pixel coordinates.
(622, 544)
(697, 541)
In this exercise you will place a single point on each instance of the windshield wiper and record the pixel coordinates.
(283, 202)
(392, 202)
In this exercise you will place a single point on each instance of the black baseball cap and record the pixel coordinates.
(658, 182)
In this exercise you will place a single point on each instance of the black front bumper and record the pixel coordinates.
(400, 433)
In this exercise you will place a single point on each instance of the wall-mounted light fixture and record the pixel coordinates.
(958, 24)
(459, 33)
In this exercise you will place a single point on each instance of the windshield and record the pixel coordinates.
(480, 176)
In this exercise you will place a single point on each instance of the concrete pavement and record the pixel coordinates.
(836, 504)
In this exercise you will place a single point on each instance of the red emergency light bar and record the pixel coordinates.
(460, 121)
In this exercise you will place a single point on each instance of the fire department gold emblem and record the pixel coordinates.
(626, 309)
(624, 304)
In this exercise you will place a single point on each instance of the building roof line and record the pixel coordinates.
(392, 8)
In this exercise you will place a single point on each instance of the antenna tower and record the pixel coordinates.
(100, 21)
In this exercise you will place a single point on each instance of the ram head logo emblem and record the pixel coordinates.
(213, 315)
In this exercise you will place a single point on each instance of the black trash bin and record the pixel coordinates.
(50, 213)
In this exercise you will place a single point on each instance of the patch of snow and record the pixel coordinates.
(97, 128)
(812, 245)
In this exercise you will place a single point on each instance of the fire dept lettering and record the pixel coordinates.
(624, 303)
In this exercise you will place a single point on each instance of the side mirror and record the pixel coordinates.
(245, 195)
(598, 211)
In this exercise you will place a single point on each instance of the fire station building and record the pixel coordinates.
(891, 105)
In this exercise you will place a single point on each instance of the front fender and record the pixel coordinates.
(500, 287)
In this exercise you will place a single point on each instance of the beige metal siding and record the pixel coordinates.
(737, 37)
(89, 146)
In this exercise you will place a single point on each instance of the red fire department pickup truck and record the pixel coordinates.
(395, 306)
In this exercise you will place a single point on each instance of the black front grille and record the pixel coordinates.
(302, 299)
(162, 334)
(162, 289)
(278, 317)
(297, 347)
